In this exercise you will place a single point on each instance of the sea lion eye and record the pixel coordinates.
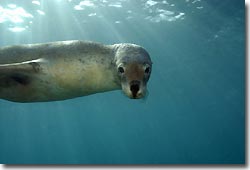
(121, 69)
(147, 70)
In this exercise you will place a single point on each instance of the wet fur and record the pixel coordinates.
(57, 71)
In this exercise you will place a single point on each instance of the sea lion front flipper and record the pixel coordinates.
(18, 73)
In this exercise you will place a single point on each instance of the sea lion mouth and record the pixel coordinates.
(135, 88)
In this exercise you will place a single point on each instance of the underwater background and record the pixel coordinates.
(195, 109)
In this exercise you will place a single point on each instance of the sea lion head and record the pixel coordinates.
(133, 66)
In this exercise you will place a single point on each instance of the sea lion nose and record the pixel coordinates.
(134, 87)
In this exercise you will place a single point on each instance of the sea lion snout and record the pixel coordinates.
(134, 79)
(134, 88)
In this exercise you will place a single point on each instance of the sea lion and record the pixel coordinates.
(68, 69)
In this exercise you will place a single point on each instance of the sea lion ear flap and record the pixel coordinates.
(18, 73)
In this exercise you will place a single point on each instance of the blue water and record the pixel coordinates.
(195, 110)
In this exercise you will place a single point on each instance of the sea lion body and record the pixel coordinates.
(57, 71)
